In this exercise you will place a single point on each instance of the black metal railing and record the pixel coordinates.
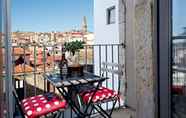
(31, 62)
(179, 63)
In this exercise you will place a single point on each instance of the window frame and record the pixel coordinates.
(164, 54)
(108, 16)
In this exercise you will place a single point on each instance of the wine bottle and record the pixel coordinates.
(64, 66)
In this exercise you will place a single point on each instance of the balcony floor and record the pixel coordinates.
(121, 113)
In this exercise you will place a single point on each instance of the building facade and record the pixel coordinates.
(107, 31)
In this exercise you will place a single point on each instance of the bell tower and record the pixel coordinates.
(84, 25)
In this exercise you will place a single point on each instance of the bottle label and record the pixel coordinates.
(64, 69)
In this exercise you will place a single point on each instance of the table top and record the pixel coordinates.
(58, 81)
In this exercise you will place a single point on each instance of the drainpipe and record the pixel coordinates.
(8, 58)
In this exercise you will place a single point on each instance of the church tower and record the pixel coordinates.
(84, 25)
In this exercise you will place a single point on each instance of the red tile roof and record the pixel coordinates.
(20, 69)
(20, 51)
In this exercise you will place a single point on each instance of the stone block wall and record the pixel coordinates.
(139, 57)
(144, 59)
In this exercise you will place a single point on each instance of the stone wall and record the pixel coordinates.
(144, 59)
(139, 58)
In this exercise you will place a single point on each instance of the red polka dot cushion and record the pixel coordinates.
(102, 94)
(39, 105)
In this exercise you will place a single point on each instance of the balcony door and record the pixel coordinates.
(171, 32)
(178, 41)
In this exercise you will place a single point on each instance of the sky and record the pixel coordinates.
(51, 15)
(179, 16)
(64, 15)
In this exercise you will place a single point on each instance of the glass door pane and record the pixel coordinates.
(179, 58)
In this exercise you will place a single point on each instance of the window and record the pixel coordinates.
(111, 15)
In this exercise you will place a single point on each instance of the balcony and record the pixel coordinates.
(31, 63)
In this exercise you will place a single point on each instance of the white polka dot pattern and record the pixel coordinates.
(42, 98)
(56, 103)
(40, 95)
(45, 101)
(32, 98)
(40, 105)
(102, 94)
(25, 103)
(26, 108)
(37, 104)
(38, 109)
(33, 101)
(47, 106)
(24, 100)
(29, 113)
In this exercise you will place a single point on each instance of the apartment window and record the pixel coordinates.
(111, 15)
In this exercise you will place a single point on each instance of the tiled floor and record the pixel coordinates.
(121, 113)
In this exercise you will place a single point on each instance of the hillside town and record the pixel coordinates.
(54, 37)
(43, 49)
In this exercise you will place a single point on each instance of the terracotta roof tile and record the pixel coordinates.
(20, 68)
(19, 51)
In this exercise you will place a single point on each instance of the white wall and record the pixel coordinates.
(105, 33)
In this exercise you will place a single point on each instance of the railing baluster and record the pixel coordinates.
(93, 55)
(100, 60)
(86, 57)
(44, 62)
(13, 64)
(24, 80)
(106, 60)
(119, 77)
(35, 57)
(112, 54)
(53, 54)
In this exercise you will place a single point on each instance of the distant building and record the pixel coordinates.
(40, 38)
(84, 25)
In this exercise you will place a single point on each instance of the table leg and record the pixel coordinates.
(67, 97)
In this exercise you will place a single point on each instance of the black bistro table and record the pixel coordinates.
(71, 87)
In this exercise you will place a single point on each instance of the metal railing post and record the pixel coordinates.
(100, 60)
(119, 76)
(86, 57)
(35, 57)
(44, 66)
(8, 57)
(106, 60)
(24, 80)
(112, 54)
(93, 55)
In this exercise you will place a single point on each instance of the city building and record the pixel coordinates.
(40, 38)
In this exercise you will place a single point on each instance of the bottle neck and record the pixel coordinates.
(63, 57)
